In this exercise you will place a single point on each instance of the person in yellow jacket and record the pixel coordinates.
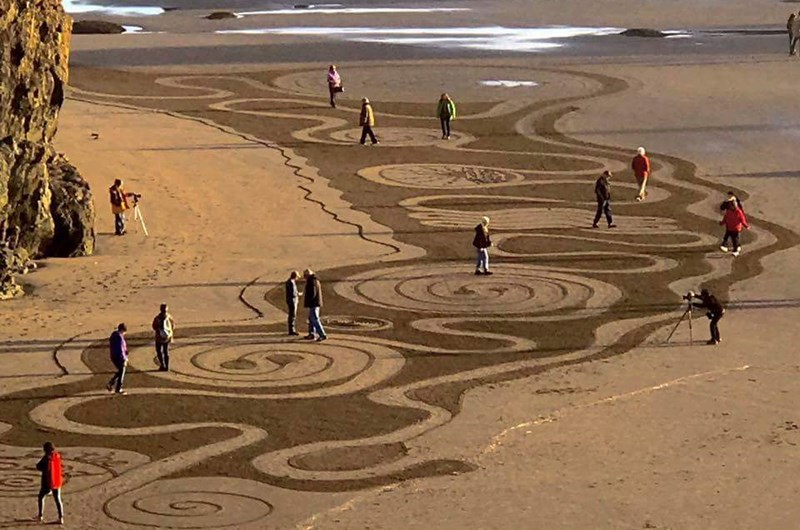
(446, 111)
(119, 203)
(367, 121)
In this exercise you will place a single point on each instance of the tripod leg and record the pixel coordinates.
(138, 215)
(691, 339)
(676, 326)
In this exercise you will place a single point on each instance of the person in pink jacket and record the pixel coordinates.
(334, 84)
(734, 221)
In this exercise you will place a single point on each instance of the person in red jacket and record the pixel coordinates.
(734, 221)
(52, 480)
(641, 170)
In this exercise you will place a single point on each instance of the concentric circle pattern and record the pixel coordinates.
(405, 137)
(441, 176)
(207, 502)
(440, 288)
(272, 362)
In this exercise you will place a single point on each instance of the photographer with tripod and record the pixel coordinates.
(714, 311)
(119, 203)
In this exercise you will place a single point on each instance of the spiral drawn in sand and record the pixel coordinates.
(525, 217)
(202, 502)
(272, 362)
(442, 176)
(84, 468)
(442, 288)
(404, 137)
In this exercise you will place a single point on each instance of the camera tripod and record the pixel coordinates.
(685, 313)
(137, 216)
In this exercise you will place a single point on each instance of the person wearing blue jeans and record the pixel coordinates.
(482, 242)
(119, 356)
(313, 301)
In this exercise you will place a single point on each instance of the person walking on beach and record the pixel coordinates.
(482, 242)
(52, 480)
(734, 221)
(119, 356)
(164, 328)
(789, 22)
(367, 122)
(715, 312)
(641, 170)
(446, 111)
(292, 299)
(794, 34)
(602, 191)
(313, 301)
(119, 203)
(334, 84)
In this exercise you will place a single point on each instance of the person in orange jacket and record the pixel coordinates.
(734, 221)
(641, 170)
(52, 480)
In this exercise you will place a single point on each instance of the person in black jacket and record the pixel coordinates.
(714, 312)
(482, 242)
(602, 191)
(313, 301)
(292, 298)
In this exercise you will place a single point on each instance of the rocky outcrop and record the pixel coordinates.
(43, 199)
(221, 15)
(644, 32)
(96, 27)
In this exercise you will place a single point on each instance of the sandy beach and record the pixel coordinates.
(545, 395)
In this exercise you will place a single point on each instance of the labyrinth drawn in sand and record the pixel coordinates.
(254, 428)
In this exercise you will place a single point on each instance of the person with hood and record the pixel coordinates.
(602, 191)
(641, 170)
(119, 203)
(334, 84)
(482, 242)
(52, 479)
(367, 122)
(119, 357)
(292, 299)
(734, 221)
(446, 111)
(714, 312)
(164, 328)
(313, 301)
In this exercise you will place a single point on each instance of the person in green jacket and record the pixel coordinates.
(446, 110)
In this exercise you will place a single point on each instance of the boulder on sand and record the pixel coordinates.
(644, 32)
(96, 27)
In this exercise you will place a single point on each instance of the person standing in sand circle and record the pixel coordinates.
(482, 242)
(446, 112)
(367, 122)
(164, 328)
(602, 191)
(52, 480)
(313, 302)
(292, 299)
(119, 357)
(334, 84)
(641, 170)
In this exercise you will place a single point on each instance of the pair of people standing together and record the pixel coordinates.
(312, 300)
(164, 329)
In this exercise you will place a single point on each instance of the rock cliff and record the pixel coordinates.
(44, 201)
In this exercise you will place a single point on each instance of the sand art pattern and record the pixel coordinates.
(256, 421)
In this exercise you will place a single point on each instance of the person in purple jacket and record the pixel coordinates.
(119, 356)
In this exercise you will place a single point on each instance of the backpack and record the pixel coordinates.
(165, 329)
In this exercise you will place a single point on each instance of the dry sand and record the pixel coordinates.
(441, 399)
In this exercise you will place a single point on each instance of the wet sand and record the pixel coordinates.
(543, 393)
